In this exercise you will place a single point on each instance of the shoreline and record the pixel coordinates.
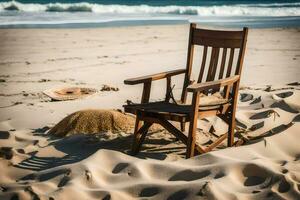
(253, 22)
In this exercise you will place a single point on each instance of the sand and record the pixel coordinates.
(88, 164)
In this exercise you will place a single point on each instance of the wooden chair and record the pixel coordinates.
(221, 88)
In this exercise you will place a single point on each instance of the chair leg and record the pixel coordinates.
(137, 126)
(231, 126)
(139, 136)
(190, 151)
(141, 139)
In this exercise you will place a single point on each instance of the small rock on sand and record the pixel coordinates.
(109, 88)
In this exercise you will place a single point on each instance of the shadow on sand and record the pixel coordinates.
(80, 146)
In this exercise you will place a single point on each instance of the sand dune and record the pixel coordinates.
(260, 171)
(83, 159)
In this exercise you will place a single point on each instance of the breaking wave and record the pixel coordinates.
(276, 9)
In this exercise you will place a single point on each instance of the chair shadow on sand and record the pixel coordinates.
(80, 146)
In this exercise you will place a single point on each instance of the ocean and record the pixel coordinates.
(102, 13)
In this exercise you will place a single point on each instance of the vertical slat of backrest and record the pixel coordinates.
(238, 70)
(202, 64)
(213, 64)
(229, 67)
(223, 61)
(189, 63)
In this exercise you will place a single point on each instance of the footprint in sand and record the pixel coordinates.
(99, 194)
(284, 186)
(179, 195)
(273, 131)
(219, 175)
(189, 175)
(294, 84)
(149, 191)
(125, 168)
(240, 124)
(65, 179)
(284, 163)
(283, 106)
(264, 114)
(296, 118)
(256, 100)
(21, 151)
(119, 167)
(285, 94)
(254, 180)
(257, 126)
(244, 97)
(256, 176)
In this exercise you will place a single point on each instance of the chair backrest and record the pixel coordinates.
(222, 44)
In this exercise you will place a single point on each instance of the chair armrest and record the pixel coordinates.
(154, 77)
(199, 87)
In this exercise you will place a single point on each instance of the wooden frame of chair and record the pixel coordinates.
(228, 85)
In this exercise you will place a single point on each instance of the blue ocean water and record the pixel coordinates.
(98, 13)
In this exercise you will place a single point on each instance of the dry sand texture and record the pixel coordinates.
(82, 167)
(35, 165)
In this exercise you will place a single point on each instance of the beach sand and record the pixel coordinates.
(36, 165)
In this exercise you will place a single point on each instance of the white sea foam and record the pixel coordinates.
(276, 9)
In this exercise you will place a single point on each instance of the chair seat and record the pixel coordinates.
(176, 112)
